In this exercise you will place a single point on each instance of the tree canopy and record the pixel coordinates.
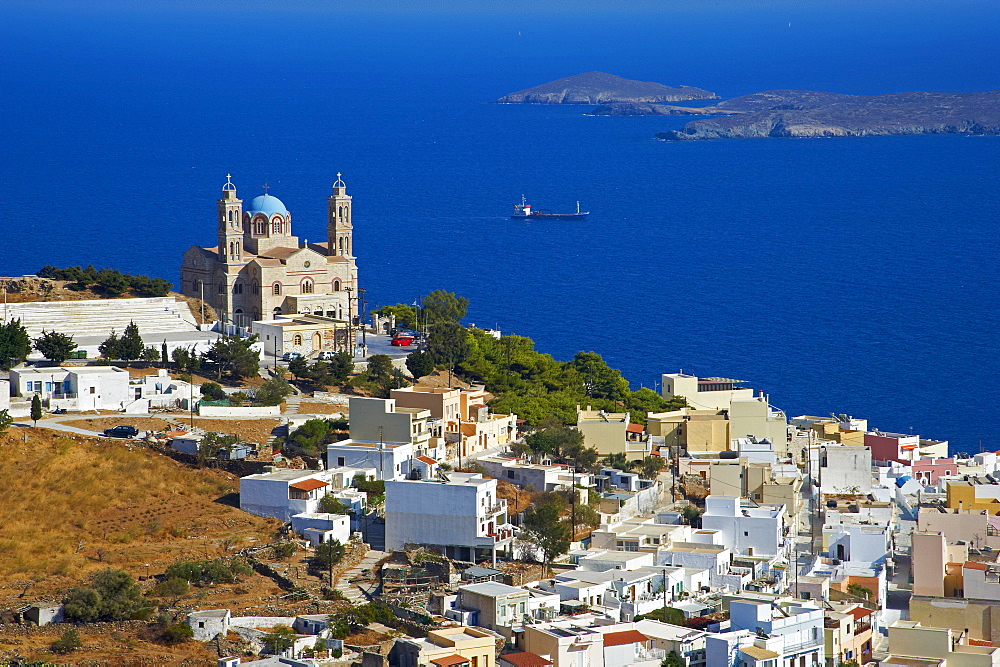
(548, 531)
(442, 306)
(236, 356)
(55, 346)
(535, 385)
(112, 595)
(127, 347)
(15, 344)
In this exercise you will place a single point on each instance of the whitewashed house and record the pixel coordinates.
(747, 529)
(459, 513)
(284, 493)
(390, 460)
(73, 387)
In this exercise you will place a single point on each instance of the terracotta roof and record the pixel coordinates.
(279, 252)
(526, 659)
(626, 637)
(308, 485)
(979, 642)
(635, 428)
(860, 612)
(428, 460)
(971, 565)
(450, 660)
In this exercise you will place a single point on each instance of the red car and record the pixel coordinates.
(402, 341)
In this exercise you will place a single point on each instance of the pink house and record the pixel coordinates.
(927, 471)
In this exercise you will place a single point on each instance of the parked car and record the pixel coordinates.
(121, 431)
(326, 355)
(288, 356)
(401, 340)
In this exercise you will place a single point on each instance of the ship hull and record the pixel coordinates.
(550, 216)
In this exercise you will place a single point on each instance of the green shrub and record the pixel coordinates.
(69, 642)
(177, 633)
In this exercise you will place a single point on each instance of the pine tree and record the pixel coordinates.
(55, 346)
(36, 409)
(15, 344)
(111, 347)
(130, 346)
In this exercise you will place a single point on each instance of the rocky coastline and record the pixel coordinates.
(792, 113)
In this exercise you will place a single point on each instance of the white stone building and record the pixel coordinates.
(283, 493)
(460, 514)
(390, 460)
(749, 530)
(73, 387)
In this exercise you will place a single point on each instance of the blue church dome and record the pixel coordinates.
(266, 204)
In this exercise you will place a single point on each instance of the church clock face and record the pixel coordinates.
(307, 264)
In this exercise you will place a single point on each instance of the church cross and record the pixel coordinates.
(266, 188)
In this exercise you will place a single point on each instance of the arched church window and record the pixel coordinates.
(307, 286)
(276, 312)
(222, 288)
(276, 226)
(230, 216)
(254, 289)
(237, 288)
(238, 316)
(276, 288)
(259, 226)
(297, 339)
(336, 285)
(239, 254)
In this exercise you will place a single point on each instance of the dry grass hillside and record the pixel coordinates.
(70, 505)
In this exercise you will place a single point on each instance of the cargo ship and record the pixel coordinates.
(523, 211)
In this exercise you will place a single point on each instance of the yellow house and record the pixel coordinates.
(966, 495)
(448, 647)
(691, 430)
(609, 433)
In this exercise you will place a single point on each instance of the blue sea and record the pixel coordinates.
(836, 275)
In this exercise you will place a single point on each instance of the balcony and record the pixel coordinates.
(500, 534)
(498, 507)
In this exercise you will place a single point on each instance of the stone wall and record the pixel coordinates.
(55, 630)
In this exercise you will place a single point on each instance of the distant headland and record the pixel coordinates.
(600, 88)
(803, 113)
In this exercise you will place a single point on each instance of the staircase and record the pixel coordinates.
(153, 315)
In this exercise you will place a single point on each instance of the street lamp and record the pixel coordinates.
(361, 313)
(350, 318)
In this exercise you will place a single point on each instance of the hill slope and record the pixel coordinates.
(600, 87)
(74, 504)
(802, 113)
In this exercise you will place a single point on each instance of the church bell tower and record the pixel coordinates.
(338, 227)
(230, 225)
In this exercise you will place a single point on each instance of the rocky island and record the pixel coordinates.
(599, 88)
(801, 113)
